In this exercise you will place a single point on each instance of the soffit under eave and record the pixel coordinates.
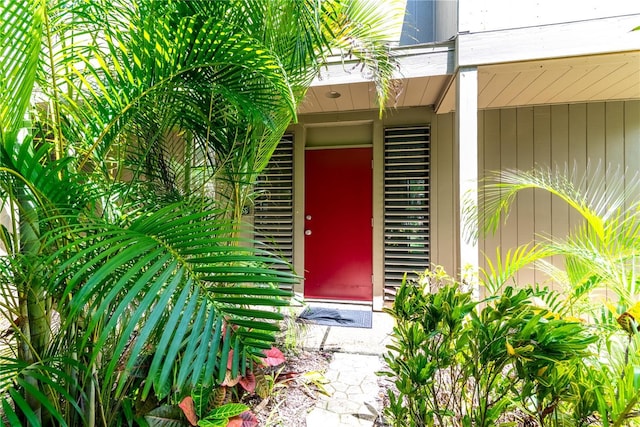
(414, 61)
(592, 78)
(412, 92)
(422, 75)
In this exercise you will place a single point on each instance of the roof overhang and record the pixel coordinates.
(554, 81)
(552, 64)
(423, 74)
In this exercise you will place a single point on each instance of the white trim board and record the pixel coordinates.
(593, 37)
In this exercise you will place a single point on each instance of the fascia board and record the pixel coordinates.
(593, 37)
(419, 61)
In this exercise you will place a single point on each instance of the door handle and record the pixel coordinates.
(307, 232)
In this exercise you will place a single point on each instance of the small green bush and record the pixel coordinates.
(456, 362)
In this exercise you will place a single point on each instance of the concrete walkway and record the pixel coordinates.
(353, 383)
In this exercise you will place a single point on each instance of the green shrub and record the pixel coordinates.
(456, 362)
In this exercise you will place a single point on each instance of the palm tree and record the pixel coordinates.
(601, 253)
(125, 281)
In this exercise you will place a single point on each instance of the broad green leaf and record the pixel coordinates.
(213, 422)
(165, 416)
(227, 411)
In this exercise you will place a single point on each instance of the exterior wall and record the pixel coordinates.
(518, 138)
(492, 15)
(428, 21)
(503, 31)
(575, 135)
(444, 193)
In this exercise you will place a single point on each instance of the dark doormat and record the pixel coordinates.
(336, 317)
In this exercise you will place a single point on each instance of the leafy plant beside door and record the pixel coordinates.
(599, 273)
(593, 344)
(456, 362)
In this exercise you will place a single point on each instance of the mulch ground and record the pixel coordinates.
(293, 395)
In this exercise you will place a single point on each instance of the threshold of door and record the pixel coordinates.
(343, 304)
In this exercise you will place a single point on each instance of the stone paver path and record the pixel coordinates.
(351, 374)
(352, 383)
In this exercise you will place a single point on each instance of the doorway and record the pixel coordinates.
(338, 224)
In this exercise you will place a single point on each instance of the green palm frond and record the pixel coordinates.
(176, 279)
(554, 301)
(195, 73)
(592, 263)
(129, 95)
(305, 33)
(46, 180)
(602, 251)
(587, 196)
(198, 55)
(296, 32)
(54, 379)
(360, 29)
(501, 188)
(499, 272)
(20, 31)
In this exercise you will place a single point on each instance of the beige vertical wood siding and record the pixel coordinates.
(444, 233)
(557, 136)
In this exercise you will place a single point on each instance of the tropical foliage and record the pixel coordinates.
(601, 253)
(599, 278)
(131, 133)
(532, 356)
(502, 361)
(508, 360)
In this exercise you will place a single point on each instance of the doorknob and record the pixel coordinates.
(308, 217)
(307, 232)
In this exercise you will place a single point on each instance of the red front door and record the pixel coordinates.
(338, 232)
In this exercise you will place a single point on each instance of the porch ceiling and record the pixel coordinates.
(424, 71)
(565, 80)
(555, 81)
(410, 92)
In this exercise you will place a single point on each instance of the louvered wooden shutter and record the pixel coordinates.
(273, 213)
(406, 205)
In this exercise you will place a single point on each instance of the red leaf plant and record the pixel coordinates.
(245, 419)
(248, 382)
(273, 357)
(189, 409)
